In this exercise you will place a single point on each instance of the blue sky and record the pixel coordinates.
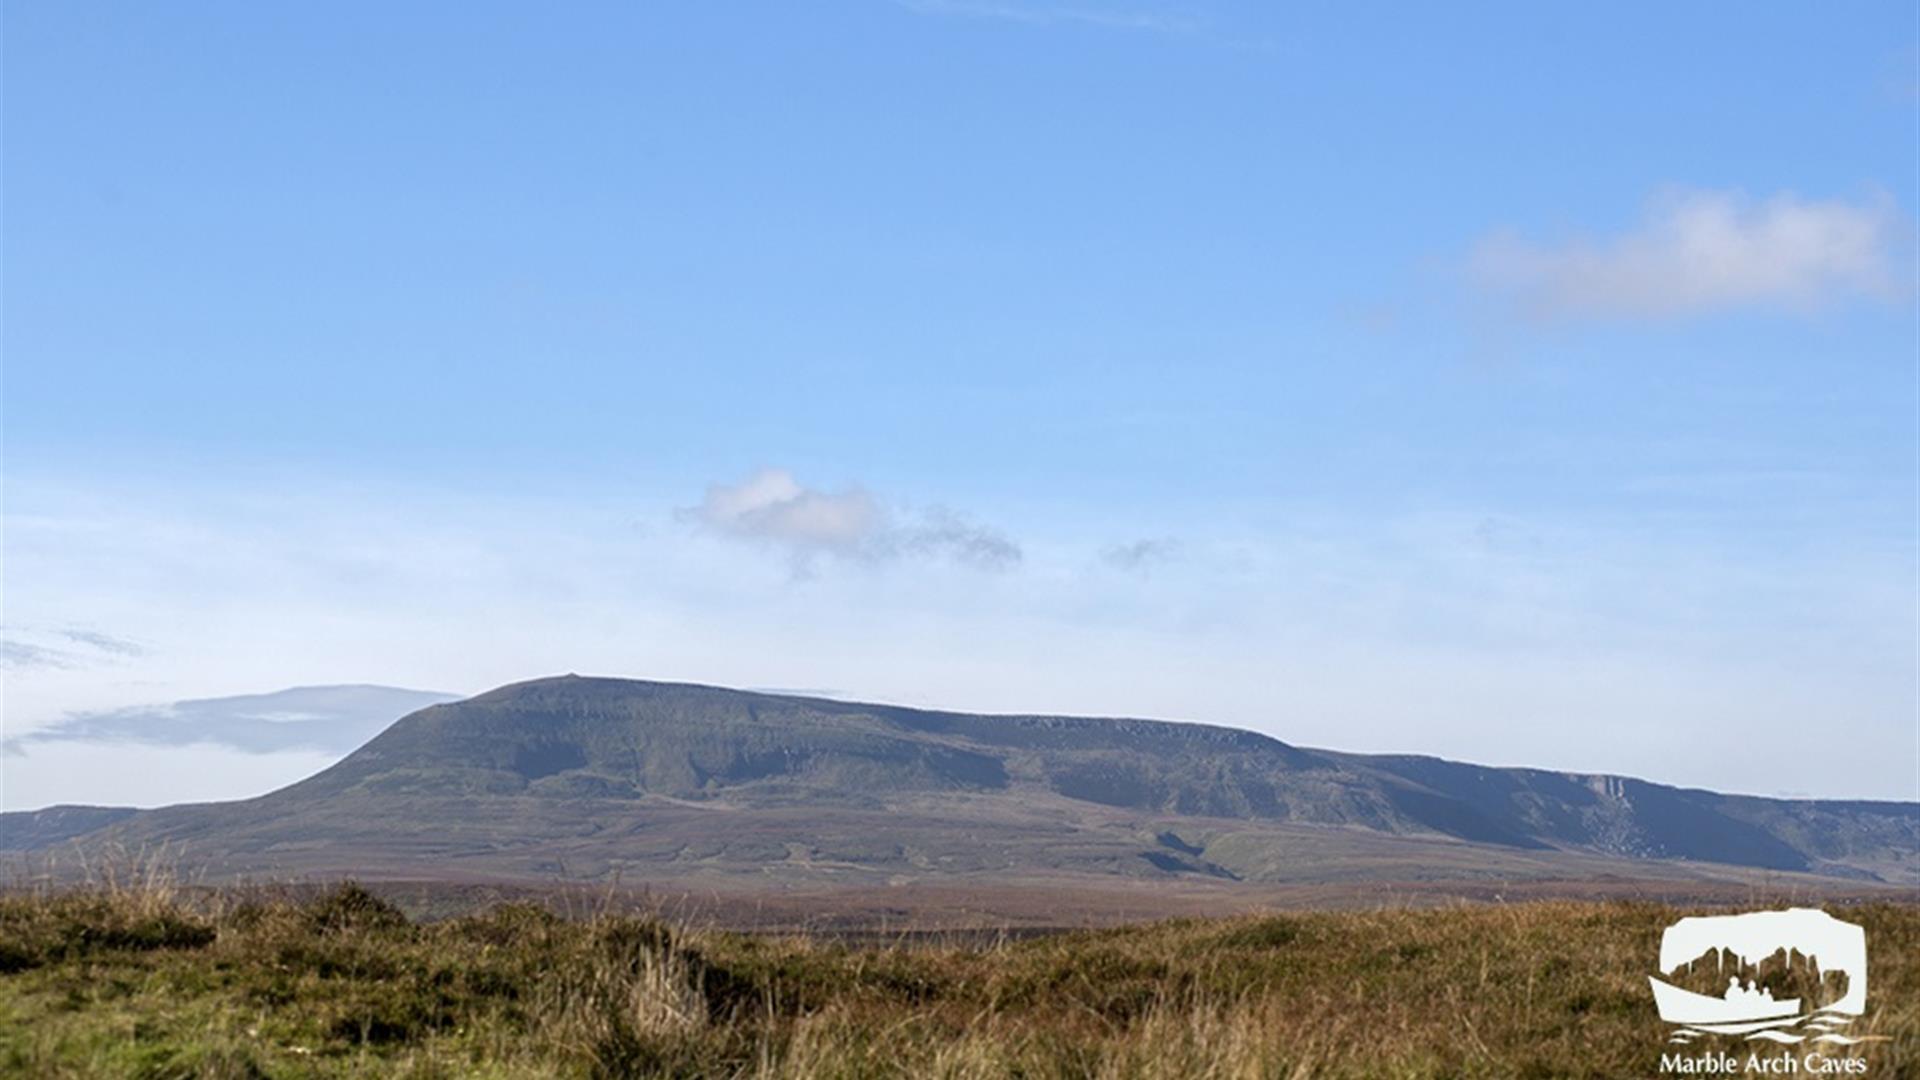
(1521, 384)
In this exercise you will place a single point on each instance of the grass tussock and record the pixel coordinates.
(139, 980)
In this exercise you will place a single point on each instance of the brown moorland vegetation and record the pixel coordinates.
(148, 981)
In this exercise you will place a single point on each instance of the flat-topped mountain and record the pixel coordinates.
(592, 778)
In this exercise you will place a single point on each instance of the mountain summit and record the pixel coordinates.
(669, 782)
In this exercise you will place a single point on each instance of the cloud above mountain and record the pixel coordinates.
(1698, 252)
(71, 648)
(771, 507)
(331, 719)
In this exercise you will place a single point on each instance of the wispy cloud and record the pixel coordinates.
(942, 532)
(773, 508)
(27, 648)
(798, 691)
(20, 656)
(104, 643)
(333, 719)
(1696, 252)
(1044, 14)
(1140, 556)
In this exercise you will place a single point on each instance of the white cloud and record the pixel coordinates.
(772, 507)
(1704, 251)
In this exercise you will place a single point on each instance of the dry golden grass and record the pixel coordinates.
(138, 979)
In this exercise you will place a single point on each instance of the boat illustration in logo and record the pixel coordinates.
(1737, 1005)
(1798, 947)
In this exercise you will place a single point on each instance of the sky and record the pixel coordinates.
(1517, 383)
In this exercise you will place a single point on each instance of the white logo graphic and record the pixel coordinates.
(1735, 962)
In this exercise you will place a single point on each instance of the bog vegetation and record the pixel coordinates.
(145, 981)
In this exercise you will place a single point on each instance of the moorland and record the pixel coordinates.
(145, 979)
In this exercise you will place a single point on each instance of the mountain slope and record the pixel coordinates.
(671, 782)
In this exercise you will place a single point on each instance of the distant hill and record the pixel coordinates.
(588, 778)
(33, 830)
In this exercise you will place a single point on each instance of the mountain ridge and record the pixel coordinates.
(682, 781)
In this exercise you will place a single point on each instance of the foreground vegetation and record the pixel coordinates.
(144, 982)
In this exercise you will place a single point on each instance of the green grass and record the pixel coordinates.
(144, 982)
